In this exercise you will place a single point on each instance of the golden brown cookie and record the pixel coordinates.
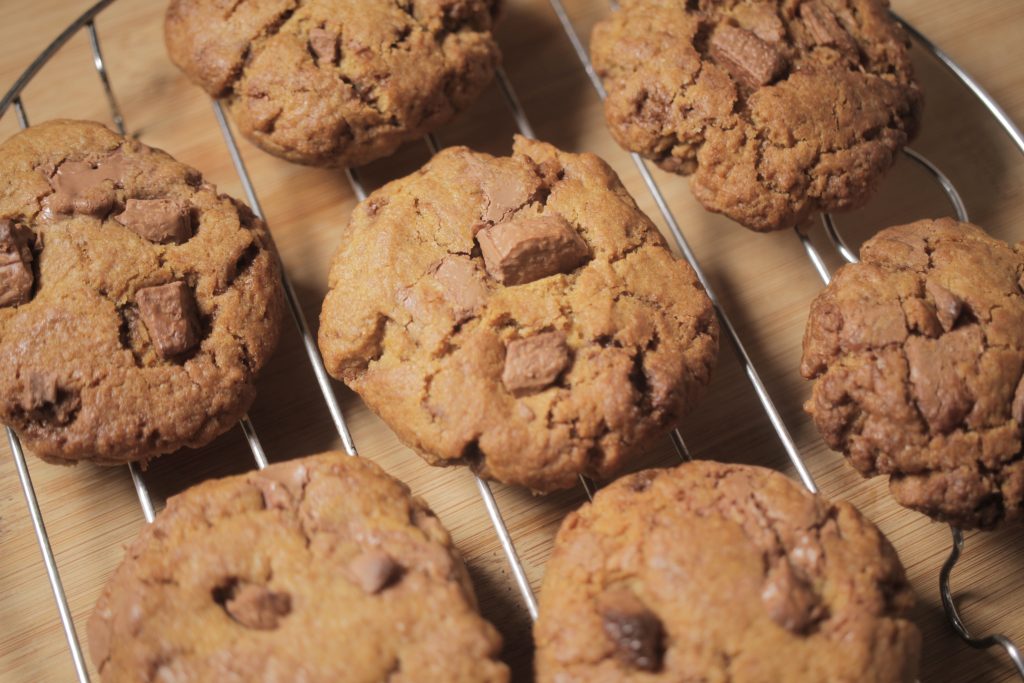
(713, 572)
(318, 570)
(137, 305)
(518, 314)
(777, 107)
(918, 356)
(336, 82)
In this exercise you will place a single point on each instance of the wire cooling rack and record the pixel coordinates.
(13, 100)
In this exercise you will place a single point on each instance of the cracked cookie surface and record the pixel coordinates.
(718, 572)
(517, 314)
(137, 305)
(918, 357)
(336, 82)
(320, 569)
(777, 107)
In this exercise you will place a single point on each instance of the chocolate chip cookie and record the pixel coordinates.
(137, 305)
(518, 314)
(918, 353)
(777, 107)
(336, 82)
(717, 572)
(319, 570)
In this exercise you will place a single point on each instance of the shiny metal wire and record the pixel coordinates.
(87, 20)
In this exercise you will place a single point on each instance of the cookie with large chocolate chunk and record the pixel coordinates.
(518, 314)
(336, 82)
(918, 356)
(717, 572)
(777, 107)
(318, 570)
(137, 305)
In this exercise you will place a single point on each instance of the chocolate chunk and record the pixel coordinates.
(463, 286)
(636, 632)
(505, 188)
(1017, 411)
(282, 485)
(164, 221)
(374, 570)
(169, 312)
(527, 249)
(324, 45)
(535, 362)
(44, 400)
(16, 276)
(80, 187)
(789, 601)
(948, 306)
(824, 29)
(749, 59)
(936, 381)
(258, 607)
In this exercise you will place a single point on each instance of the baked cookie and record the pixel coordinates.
(918, 353)
(336, 82)
(318, 570)
(777, 107)
(712, 572)
(137, 305)
(518, 314)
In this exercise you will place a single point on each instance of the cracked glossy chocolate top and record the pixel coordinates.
(918, 356)
(136, 303)
(717, 572)
(336, 82)
(517, 314)
(778, 108)
(318, 570)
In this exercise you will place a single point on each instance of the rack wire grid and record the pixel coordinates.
(13, 100)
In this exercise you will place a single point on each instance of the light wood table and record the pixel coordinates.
(765, 283)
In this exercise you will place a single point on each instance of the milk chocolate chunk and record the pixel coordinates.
(258, 607)
(636, 632)
(824, 29)
(374, 570)
(528, 249)
(164, 221)
(169, 313)
(789, 601)
(80, 187)
(749, 59)
(463, 286)
(16, 276)
(535, 362)
(324, 44)
(948, 306)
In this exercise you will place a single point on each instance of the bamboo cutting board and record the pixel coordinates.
(765, 283)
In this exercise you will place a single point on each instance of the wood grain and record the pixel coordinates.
(765, 284)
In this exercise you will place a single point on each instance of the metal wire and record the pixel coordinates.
(953, 614)
(752, 375)
(12, 98)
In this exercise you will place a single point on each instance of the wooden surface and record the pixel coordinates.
(765, 284)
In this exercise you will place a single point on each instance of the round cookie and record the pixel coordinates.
(918, 356)
(137, 305)
(318, 570)
(777, 107)
(517, 314)
(336, 82)
(718, 572)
